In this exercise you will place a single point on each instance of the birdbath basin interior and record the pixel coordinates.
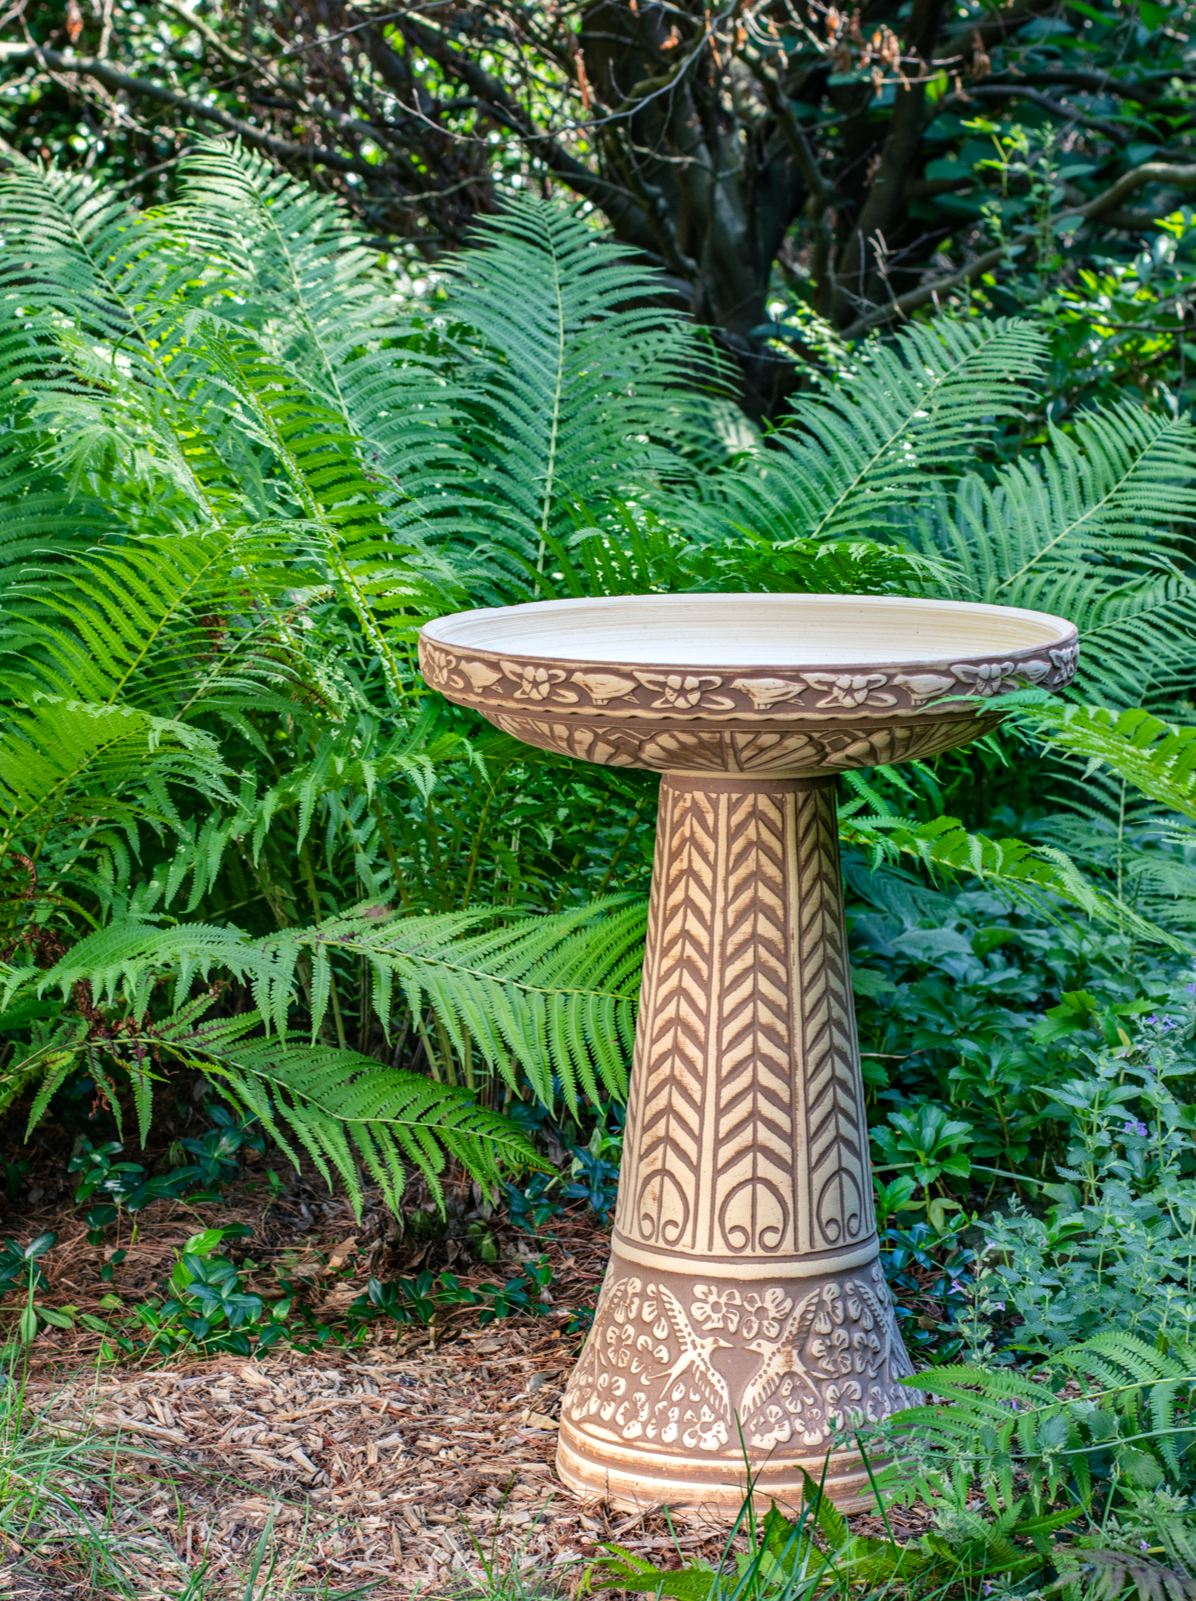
(743, 631)
(744, 1300)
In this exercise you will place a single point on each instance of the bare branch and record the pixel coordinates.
(923, 296)
(285, 149)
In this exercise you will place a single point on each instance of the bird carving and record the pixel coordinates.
(693, 1363)
(781, 1356)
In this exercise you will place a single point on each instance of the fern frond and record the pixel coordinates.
(573, 393)
(885, 435)
(1088, 530)
(1037, 876)
(340, 505)
(345, 1109)
(547, 995)
(1158, 758)
(67, 763)
(354, 1116)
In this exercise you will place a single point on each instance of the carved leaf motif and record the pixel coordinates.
(612, 747)
(771, 752)
(839, 1208)
(662, 1180)
(684, 749)
(753, 1200)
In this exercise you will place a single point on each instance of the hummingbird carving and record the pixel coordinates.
(693, 1363)
(781, 1356)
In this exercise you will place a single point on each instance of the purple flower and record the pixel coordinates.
(957, 1286)
(998, 1306)
(1192, 989)
(1131, 1126)
(1143, 1545)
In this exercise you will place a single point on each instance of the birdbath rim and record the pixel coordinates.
(790, 631)
(717, 660)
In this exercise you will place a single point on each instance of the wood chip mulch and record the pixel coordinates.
(384, 1467)
(407, 1465)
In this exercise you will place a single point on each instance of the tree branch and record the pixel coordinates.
(1103, 204)
(923, 296)
(101, 72)
(992, 29)
(1137, 178)
(1022, 91)
(626, 217)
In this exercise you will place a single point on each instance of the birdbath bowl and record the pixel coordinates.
(744, 1306)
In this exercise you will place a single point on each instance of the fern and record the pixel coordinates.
(353, 1117)
(904, 420)
(1086, 530)
(1036, 876)
(548, 996)
(1158, 758)
(1001, 1426)
(573, 395)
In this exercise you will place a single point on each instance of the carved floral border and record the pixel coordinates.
(485, 680)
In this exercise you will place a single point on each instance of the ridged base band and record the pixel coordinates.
(673, 1481)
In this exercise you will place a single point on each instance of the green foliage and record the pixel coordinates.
(423, 1299)
(1114, 1445)
(1116, 1241)
(240, 471)
(815, 1553)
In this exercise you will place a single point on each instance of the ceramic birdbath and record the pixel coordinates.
(744, 1305)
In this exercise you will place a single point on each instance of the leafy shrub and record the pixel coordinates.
(1118, 1242)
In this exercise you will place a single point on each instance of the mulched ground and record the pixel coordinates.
(407, 1463)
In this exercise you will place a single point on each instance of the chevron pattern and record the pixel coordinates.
(665, 1121)
(752, 1208)
(746, 1132)
(838, 1208)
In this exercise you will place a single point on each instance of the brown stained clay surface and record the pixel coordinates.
(763, 684)
(744, 1306)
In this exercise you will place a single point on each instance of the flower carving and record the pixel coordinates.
(437, 664)
(625, 1300)
(986, 679)
(604, 687)
(1066, 658)
(851, 689)
(715, 1308)
(535, 683)
(764, 1314)
(766, 692)
(684, 690)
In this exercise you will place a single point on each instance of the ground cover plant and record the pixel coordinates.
(284, 931)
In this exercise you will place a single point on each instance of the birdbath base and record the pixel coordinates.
(744, 1315)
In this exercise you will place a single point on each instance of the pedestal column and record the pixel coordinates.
(744, 1303)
